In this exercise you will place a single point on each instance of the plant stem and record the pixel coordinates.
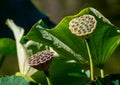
(48, 80)
(90, 59)
(2, 60)
(102, 73)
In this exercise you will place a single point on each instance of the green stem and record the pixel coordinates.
(48, 80)
(91, 62)
(102, 73)
(2, 60)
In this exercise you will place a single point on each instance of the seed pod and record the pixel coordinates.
(82, 25)
(41, 60)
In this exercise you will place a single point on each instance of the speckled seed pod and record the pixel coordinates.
(41, 60)
(82, 25)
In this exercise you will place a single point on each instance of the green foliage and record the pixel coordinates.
(102, 42)
(15, 80)
(7, 47)
(68, 72)
(60, 39)
(71, 51)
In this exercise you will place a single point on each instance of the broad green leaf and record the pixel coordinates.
(15, 80)
(7, 47)
(60, 68)
(34, 46)
(66, 72)
(102, 42)
(62, 44)
(60, 71)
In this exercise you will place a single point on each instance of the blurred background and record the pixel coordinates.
(56, 10)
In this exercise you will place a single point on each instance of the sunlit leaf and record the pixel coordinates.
(15, 80)
(60, 42)
(102, 42)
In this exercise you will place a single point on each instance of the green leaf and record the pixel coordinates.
(63, 72)
(62, 44)
(7, 47)
(102, 42)
(40, 77)
(60, 68)
(15, 80)
(60, 71)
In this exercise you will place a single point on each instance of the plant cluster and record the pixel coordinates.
(66, 54)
